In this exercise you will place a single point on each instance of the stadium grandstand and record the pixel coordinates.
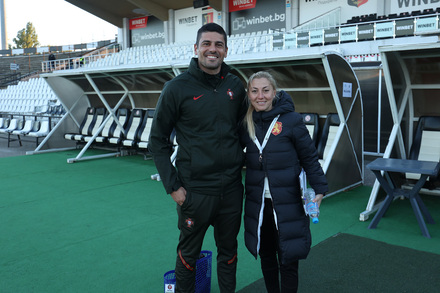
(365, 71)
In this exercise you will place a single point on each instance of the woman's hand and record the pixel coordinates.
(318, 199)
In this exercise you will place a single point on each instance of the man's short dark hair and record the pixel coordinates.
(211, 27)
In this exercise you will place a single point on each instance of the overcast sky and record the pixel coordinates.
(56, 22)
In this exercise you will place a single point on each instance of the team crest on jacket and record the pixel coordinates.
(189, 222)
(357, 3)
(277, 128)
(230, 94)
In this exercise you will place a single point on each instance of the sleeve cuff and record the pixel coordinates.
(175, 187)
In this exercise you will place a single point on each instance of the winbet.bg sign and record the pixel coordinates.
(267, 15)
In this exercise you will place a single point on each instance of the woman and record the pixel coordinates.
(277, 145)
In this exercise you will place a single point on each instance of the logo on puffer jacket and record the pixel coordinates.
(277, 128)
(230, 94)
(357, 3)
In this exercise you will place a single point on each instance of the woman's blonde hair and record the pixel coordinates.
(248, 121)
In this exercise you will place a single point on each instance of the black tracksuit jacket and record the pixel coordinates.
(205, 118)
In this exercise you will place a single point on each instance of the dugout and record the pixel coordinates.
(122, 87)
(319, 83)
(412, 79)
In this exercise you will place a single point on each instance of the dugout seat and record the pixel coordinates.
(134, 122)
(144, 135)
(111, 127)
(327, 136)
(85, 127)
(426, 142)
(311, 120)
(101, 114)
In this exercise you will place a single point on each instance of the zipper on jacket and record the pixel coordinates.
(260, 223)
(275, 218)
(222, 179)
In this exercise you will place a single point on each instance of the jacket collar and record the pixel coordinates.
(195, 71)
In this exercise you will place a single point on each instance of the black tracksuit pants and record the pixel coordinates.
(197, 213)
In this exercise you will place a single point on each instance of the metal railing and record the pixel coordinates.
(327, 20)
(77, 62)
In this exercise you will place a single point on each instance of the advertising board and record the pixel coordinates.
(147, 30)
(266, 15)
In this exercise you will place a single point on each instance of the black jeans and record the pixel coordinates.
(270, 256)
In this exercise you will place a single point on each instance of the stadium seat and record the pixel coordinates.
(40, 129)
(143, 129)
(85, 127)
(29, 123)
(131, 128)
(311, 120)
(25, 130)
(354, 19)
(122, 116)
(109, 129)
(4, 122)
(404, 14)
(144, 135)
(416, 13)
(428, 11)
(14, 124)
(327, 136)
(101, 114)
(426, 142)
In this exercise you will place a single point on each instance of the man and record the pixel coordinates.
(203, 105)
(52, 61)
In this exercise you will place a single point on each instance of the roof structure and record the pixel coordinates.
(114, 11)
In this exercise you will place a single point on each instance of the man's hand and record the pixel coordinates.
(179, 196)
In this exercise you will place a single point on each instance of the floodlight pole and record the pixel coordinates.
(4, 40)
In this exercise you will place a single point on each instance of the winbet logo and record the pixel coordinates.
(241, 22)
(407, 3)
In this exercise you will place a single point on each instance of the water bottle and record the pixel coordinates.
(311, 207)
